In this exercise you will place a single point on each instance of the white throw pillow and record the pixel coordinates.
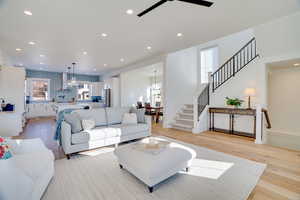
(129, 118)
(88, 124)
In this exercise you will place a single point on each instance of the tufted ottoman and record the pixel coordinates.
(152, 167)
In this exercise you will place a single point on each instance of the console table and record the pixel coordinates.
(231, 112)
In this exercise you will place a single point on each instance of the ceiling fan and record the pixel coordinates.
(198, 2)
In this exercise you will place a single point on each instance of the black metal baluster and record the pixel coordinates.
(244, 56)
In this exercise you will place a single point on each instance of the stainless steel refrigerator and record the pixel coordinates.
(107, 97)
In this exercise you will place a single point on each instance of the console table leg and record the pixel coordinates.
(232, 124)
(150, 189)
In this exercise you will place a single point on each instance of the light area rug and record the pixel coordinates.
(96, 176)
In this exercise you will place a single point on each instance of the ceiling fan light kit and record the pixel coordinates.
(197, 2)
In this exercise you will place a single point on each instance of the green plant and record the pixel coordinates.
(234, 102)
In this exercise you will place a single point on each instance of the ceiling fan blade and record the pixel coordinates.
(199, 2)
(152, 7)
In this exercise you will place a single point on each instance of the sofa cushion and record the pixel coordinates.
(98, 133)
(129, 118)
(98, 114)
(115, 115)
(88, 124)
(140, 113)
(127, 129)
(74, 120)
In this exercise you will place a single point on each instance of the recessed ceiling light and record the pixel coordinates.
(84, 53)
(297, 64)
(21, 64)
(149, 47)
(129, 12)
(31, 43)
(41, 63)
(179, 34)
(27, 12)
(42, 56)
(122, 59)
(104, 34)
(18, 49)
(105, 65)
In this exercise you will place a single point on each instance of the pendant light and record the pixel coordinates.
(155, 81)
(73, 80)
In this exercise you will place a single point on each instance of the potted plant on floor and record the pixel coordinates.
(234, 102)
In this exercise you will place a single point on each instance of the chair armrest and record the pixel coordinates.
(66, 135)
(149, 122)
(16, 183)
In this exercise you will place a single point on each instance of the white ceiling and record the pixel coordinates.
(64, 29)
(294, 63)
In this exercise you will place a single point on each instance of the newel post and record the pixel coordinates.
(258, 139)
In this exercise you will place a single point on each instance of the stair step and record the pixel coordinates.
(185, 122)
(184, 119)
(184, 110)
(182, 127)
(186, 116)
(189, 106)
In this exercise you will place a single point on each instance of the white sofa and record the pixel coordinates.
(27, 174)
(108, 131)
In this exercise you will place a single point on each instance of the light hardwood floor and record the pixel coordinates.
(280, 181)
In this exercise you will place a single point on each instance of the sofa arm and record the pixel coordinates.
(66, 135)
(16, 183)
(149, 122)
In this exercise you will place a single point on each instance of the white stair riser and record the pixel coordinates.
(183, 116)
(189, 123)
(187, 111)
(182, 129)
(189, 106)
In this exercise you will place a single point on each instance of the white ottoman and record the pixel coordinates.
(154, 168)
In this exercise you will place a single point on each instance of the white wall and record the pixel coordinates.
(284, 106)
(12, 87)
(132, 66)
(180, 82)
(229, 45)
(279, 37)
(4, 60)
(135, 86)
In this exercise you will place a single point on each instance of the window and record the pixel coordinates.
(84, 91)
(209, 62)
(39, 89)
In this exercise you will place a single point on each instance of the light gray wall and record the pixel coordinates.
(56, 79)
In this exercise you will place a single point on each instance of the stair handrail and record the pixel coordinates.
(234, 64)
(203, 100)
(201, 104)
(203, 89)
(266, 114)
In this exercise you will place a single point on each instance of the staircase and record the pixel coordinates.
(184, 119)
